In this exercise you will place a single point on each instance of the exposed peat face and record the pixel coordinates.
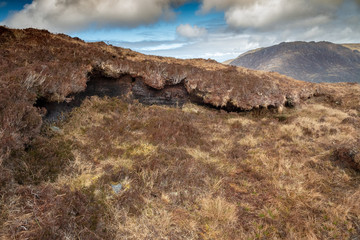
(170, 95)
(101, 85)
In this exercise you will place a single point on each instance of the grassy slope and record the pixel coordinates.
(227, 62)
(37, 64)
(352, 46)
(191, 173)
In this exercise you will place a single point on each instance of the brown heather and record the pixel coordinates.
(192, 172)
(37, 64)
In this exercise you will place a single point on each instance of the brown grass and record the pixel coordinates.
(190, 173)
(352, 46)
(36, 64)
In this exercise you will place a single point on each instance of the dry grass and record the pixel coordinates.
(352, 46)
(36, 64)
(227, 62)
(190, 173)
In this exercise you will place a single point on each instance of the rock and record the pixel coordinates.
(55, 129)
(116, 187)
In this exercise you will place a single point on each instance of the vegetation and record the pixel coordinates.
(190, 173)
(36, 64)
(262, 156)
(352, 46)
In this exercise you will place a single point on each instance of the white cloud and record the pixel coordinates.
(162, 47)
(71, 15)
(309, 20)
(68, 15)
(219, 46)
(269, 14)
(188, 31)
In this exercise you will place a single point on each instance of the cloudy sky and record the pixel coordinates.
(217, 29)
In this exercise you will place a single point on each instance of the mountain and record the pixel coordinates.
(307, 61)
(101, 142)
(227, 62)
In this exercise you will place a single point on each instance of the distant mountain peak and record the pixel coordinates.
(308, 61)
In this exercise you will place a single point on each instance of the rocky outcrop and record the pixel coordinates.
(308, 61)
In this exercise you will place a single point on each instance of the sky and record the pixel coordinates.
(216, 29)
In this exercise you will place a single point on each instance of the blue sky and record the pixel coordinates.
(214, 29)
(159, 31)
(7, 7)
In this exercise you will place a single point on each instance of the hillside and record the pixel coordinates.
(40, 67)
(227, 62)
(352, 46)
(307, 61)
(100, 142)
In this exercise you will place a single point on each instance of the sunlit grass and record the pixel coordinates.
(198, 173)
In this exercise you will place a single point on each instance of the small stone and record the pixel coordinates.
(55, 129)
(116, 187)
